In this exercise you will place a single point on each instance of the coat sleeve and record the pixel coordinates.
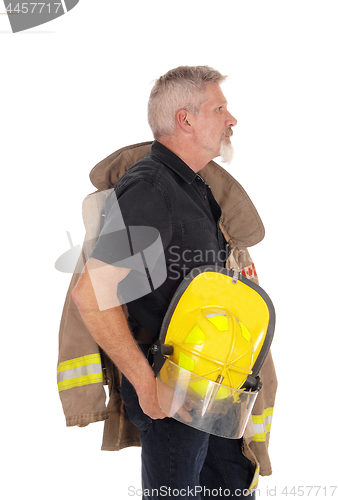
(257, 433)
(79, 370)
(83, 369)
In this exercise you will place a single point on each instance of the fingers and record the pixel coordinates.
(159, 415)
(152, 408)
(183, 412)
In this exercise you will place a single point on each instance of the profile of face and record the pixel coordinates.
(213, 124)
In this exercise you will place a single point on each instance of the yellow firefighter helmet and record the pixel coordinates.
(213, 342)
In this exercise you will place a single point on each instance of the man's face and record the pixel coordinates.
(213, 125)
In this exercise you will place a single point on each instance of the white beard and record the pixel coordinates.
(226, 151)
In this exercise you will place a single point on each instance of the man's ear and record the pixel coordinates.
(183, 120)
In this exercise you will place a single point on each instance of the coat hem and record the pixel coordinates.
(265, 472)
(121, 446)
(86, 419)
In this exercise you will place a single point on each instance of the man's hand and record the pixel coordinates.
(166, 396)
(149, 402)
(150, 405)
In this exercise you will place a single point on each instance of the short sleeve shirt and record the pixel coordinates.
(161, 221)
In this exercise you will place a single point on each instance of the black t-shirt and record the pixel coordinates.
(161, 221)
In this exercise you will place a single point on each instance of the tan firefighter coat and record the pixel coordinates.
(83, 369)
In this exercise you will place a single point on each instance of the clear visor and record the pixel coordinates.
(202, 404)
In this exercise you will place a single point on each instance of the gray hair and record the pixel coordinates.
(180, 88)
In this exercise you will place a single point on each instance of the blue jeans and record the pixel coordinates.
(181, 462)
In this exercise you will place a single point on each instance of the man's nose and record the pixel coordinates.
(230, 120)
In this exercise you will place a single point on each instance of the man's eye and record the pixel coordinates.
(219, 109)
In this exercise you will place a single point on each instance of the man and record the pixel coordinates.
(188, 115)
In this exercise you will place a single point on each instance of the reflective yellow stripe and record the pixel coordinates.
(262, 424)
(80, 371)
(254, 482)
(78, 381)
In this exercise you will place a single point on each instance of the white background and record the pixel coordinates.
(75, 90)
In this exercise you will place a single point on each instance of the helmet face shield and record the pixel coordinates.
(214, 339)
(205, 405)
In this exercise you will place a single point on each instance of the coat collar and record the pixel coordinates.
(240, 218)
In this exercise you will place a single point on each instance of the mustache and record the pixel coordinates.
(228, 132)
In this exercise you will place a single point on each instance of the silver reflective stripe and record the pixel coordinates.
(258, 428)
(79, 372)
(262, 424)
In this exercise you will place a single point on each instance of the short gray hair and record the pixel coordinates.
(179, 88)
